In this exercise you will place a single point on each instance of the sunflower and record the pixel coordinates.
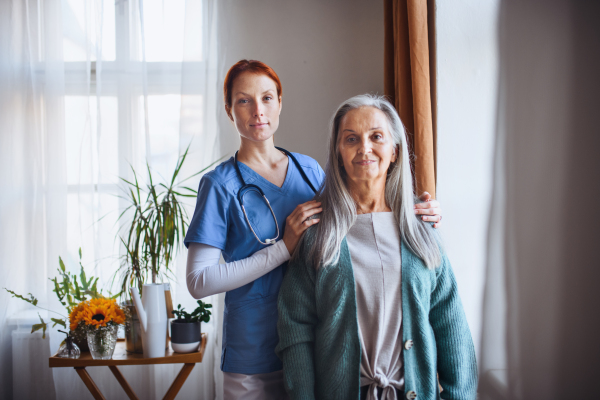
(76, 315)
(97, 313)
(119, 317)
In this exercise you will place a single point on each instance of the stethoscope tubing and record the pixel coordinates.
(250, 187)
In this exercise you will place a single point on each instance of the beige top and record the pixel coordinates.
(374, 244)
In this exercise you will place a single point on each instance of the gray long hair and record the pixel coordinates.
(339, 208)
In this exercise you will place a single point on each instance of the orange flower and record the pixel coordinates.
(96, 313)
(76, 315)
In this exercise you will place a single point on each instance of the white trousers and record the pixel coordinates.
(254, 387)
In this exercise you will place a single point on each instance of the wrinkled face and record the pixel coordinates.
(365, 145)
(255, 106)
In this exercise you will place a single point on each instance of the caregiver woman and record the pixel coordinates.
(369, 306)
(253, 271)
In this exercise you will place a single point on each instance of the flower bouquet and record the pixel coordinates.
(100, 318)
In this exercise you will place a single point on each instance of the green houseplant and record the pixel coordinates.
(157, 227)
(70, 289)
(185, 330)
(154, 232)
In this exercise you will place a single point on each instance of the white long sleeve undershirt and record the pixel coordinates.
(205, 276)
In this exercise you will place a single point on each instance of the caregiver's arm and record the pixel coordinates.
(205, 276)
(429, 210)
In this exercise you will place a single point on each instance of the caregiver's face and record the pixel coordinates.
(255, 106)
(365, 144)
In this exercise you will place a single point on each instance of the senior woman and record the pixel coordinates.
(369, 307)
(253, 209)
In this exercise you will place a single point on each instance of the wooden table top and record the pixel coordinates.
(122, 357)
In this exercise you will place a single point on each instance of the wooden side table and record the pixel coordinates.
(122, 357)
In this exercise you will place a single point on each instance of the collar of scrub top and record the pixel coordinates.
(254, 188)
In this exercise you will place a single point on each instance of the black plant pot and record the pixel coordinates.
(185, 336)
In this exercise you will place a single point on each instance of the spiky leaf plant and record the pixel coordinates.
(157, 227)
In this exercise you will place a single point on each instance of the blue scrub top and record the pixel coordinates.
(250, 316)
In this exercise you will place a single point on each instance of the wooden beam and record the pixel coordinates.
(124, 384)
(87, 379)
(179, 381)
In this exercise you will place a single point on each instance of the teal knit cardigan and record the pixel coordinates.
(318, 330)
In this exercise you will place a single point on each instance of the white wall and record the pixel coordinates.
(467, 86)
(323, 51)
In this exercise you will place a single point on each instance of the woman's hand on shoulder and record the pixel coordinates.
(429, 210)
(299, 221)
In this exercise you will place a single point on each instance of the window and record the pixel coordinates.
(123, 106)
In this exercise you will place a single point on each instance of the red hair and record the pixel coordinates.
(238, 68)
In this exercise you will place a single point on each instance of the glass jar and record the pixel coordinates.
(68, 349)
(102, 342)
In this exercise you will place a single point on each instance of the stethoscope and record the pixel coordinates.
(254, 188)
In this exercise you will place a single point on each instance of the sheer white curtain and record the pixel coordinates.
(86, 89)
(541, 318)
(32, 174)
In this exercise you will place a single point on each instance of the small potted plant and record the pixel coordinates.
(185, 330)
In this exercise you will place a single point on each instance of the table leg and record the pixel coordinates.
(124, 384)
(179, 381)
(87, 379)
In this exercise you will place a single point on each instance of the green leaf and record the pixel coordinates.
(60, 322)
(80, 253)
(126, 181)
(62, 264)
(133, 199)
(57, 290)
(84, 282)
(94, 287)
(190, 189)
(125, 210)
(37, 327)
(65, 285)
(186, 195)
(77, 291)
(180, 164)
(31, 300)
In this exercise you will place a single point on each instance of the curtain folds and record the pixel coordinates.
(409, 77)
(540, 315)
(32, 184)
(89, 88)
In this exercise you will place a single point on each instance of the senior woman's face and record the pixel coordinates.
(365, 144)
(255, 106)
